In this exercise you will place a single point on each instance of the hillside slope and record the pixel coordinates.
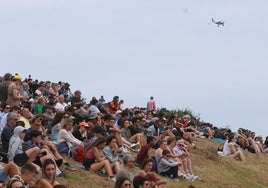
(217, 171)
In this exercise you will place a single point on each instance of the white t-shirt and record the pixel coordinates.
(226, 149)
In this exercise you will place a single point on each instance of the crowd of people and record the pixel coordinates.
(41, 121)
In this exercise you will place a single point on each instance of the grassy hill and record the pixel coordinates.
(217, 171)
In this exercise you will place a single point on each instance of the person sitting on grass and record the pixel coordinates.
(15, 151)
(141, 182)
(146, 171)
(14, 183)
(95, 160)
(27, 175)
(8, 170)
(128, 170)
(166, 166)
(123, 182)
(48, 178)
(111, 152)
(145, 150)
(231, 149)
(66, 141)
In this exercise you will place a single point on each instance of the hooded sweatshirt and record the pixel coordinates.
(15, 143)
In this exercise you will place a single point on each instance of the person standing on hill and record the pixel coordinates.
(151, 105)
(4, 86)
(13, 92)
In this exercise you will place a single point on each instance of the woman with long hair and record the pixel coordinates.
(95, 160)
(146, 171)
(123, 182)
(48, 178)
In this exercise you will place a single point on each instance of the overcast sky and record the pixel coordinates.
(168, 49)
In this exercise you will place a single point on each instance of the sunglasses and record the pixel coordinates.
(7, 108)
(127, 185)
(65, 116)
(168, 155)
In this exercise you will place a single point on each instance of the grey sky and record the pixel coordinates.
(137, 49)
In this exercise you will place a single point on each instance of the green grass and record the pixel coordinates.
(217, 171)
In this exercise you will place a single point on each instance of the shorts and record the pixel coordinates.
(21, 159)
(88, 162)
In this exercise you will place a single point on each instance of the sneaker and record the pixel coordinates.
(125, 150)
(59, 162)
(194, 178)
(134, 145)
(62, 174)
(100, 172)
(176, 179)
(69, 167)
(191, 177)
(112, 178)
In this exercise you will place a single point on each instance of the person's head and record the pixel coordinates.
(61, 98)
(147, 165)
(37, 121)
(123, 182)
(166, 154)
(111, 140)
(186, 118)
(99, 143)
(136, 121)
(129, 161)
(180, 143)
(141, 182)
(116, 99)
(49, 169)
(151, 140)
(163, 144)
(68, 124)
(125, 123)
(7, 77)
(20, 132)
(99, 131)
(16, 78)
(83, 126)
(25, 112)
(58, 118)
(59, 186)
(14, 183)
(231, 138)
(77, 94)
(36, 135)
(6, 108)
(12, 119)
(28, 173)
(171, 142)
